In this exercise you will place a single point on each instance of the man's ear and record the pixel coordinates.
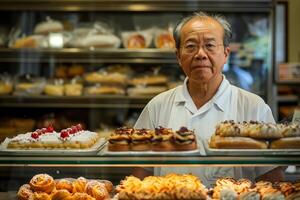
(178, 56)
(226, 52)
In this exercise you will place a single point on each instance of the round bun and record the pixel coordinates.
(24, 192)
(42, 183)
(64, 184)
(185, 147)
(141, 146)
(97, 190)
(62, 195)
(79, 185)
(118, 147)
(162, 146)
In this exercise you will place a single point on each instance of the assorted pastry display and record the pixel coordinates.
(171, 186)
(244, 189)
(56, 33)
(79, 80)
(44, 187)
(47, 138)
(160, 139)
(255, 135)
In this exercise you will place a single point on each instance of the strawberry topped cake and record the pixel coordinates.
(73, 137)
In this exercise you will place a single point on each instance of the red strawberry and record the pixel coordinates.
(39, 131)
(74, 129)
(44, 130)
(64, 134)
(70, 131)
(34, 135)
(79, 127)
(50, 129)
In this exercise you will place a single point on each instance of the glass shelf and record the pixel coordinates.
(149, 160)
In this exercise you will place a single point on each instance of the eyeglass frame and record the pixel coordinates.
(197, 47)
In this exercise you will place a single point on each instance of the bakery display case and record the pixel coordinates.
(61, 77)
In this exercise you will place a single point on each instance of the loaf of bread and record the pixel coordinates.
(286, 143)
(236, 143)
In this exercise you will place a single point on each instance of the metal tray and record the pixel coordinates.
(64, 152)
(248, 152)
(198, 151)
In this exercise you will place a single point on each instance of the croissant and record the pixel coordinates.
(42, 183)
(62, 195)
(64, 184)
(82, 196)
(24, 192)
(40, 196)
(79, 184)
(97, 190)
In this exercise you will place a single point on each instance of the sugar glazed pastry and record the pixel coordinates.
(64, 184)
(162, 139)
(62, 195)
(42, 183)
(120, 139)
(43, 187)
(97, 190)
(171, 186)
(79, 185)
(184, 139)
(141, 139)
(255, 135)
(24, 192)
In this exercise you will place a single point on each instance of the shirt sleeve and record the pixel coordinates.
(145, 119)
(267, 116)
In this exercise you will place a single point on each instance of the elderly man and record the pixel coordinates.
(206, 96)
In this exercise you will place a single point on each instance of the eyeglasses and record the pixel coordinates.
(192, 48)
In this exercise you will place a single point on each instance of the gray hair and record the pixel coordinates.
(219, 18)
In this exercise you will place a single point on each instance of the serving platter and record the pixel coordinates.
(93, 150)
(249, 152)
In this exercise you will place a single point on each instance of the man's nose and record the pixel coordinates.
(201, 53)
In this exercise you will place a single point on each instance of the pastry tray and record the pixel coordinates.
(198, 151)
(45, 151)
(248, 152)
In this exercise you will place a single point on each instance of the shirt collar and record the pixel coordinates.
(183, 94)
(218, 99)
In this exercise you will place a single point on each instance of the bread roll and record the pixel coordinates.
(42, 183)
(24, 192)
(64, 184)
(286, 143)
(236, 143)
(62, 195)
(79, 185)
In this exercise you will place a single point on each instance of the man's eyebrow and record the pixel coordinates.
(210, 39)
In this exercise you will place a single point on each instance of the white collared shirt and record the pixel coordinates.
(175, 108)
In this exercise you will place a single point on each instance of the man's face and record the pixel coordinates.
(202, 53)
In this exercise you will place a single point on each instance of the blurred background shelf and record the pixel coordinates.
(76, 55)
(103, 101)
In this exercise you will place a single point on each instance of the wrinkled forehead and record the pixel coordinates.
(205, 27)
